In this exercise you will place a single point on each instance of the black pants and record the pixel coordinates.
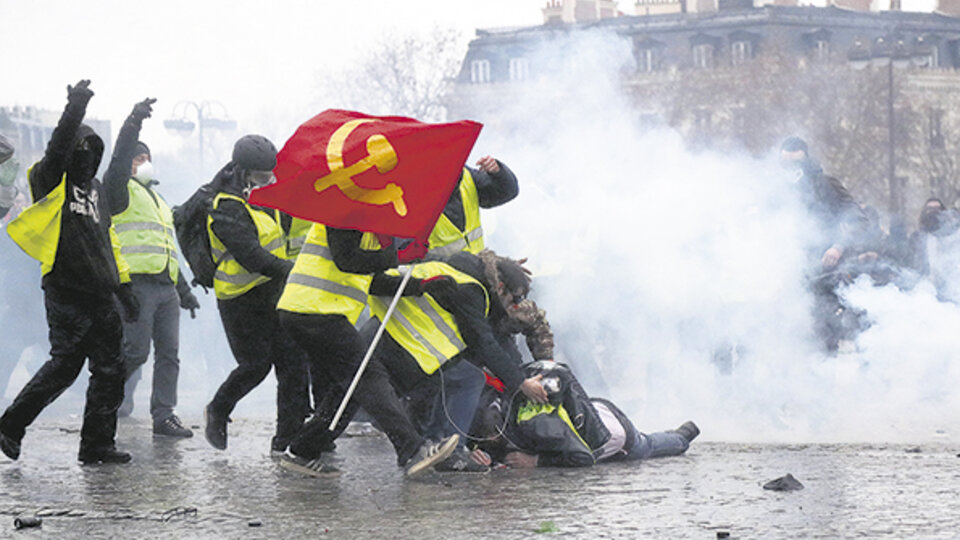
(258, 342)
(334, 349)
(81, 327)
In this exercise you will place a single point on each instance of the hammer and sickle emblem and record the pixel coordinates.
(380, 154)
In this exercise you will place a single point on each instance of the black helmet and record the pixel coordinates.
(255, 153)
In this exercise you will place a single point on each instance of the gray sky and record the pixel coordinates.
(255, 56)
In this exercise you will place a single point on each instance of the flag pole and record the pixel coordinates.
(408, 272)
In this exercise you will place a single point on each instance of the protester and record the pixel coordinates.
(144, 226)
(449, 318)
(322, 301)
(247, 243)
(936, 247)
(82, 276)
(840, 223)
(459, 229)
(569, 430)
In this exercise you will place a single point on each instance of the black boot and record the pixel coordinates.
(688, 431)
(103, 455)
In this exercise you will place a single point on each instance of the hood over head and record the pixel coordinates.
(85, 155)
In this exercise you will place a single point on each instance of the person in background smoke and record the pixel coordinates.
(21, 301)
(144, 225)
(841, 224)
(6, 150)
(841, 220)
(249, 246)
(9, 168)
(83, 278)
(936, 247)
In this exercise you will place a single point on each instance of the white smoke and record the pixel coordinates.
(650, 258)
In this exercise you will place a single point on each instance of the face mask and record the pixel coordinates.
(930, 219)
(144, 172)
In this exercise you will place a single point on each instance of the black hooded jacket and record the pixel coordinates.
(235, 228)
(841, 219)
(493, 189)
(85, 261)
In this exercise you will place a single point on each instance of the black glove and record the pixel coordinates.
(143, 109)
(130, 306)
(80, 92)
(438, 285)
(189, 301)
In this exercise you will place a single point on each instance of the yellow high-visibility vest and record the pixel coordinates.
(231, 278)
(299, 228)
(317, 286)
(420, 325)
(146, 233)
(37, 230)
(446, 239)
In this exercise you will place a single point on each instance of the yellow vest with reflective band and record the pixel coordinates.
(146, 233)
(420, 325)
(37, 230)
(446, 239)
(299, 228)
(316, 286)
(231, 279)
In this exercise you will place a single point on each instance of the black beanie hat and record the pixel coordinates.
(141, 148)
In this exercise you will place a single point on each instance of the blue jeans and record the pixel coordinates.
(462, 384)
(654, 445)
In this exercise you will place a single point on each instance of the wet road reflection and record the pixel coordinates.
(186, 489)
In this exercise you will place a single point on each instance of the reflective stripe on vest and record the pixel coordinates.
(317, 286)
(299, 228)
(420, 324)
(446, 239)
(231, 279)
(146, 233)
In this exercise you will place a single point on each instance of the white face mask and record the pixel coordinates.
(144, 172)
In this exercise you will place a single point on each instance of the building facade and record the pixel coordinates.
(707, 67)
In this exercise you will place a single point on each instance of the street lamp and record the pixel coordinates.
(889, 51)
(209, 114)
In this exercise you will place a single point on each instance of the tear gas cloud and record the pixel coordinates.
(651, 258)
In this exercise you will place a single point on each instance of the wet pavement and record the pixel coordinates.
(185, 489)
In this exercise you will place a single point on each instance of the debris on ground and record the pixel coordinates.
(784, 483)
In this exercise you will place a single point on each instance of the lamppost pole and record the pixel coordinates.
(891, 147)
(184, 125)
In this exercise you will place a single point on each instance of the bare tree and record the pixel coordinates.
(403, 75)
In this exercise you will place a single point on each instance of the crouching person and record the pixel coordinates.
(571, 430)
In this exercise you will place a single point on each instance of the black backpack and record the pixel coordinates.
(190, 221)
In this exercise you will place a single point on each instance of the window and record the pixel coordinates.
(703, 56)
(647, 60)
(929, 60)
(740, 52)
(519, 69)
(821, 49)
(935, 122)
(480, 71)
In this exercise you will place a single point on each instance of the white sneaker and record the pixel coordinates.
(431, 453)
(309, 467)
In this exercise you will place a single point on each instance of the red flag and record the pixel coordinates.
(388, 175)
